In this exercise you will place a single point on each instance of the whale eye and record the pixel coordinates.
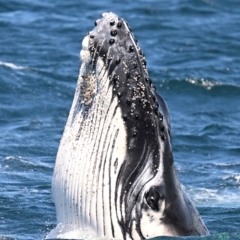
(153, 198)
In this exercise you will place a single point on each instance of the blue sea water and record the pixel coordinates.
(193, 56)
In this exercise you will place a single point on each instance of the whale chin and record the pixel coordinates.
(114, 174)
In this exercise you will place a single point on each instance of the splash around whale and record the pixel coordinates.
(114, 174)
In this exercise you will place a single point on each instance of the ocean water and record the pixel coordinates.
(193, 56)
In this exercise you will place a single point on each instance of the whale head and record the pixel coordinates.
(114, 172)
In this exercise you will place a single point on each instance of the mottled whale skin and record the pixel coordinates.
(114, 174)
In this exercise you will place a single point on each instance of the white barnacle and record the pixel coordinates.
(87, 88)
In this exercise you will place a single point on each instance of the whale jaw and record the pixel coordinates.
(114, 174)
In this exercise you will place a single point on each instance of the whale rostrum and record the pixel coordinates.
(114, 173)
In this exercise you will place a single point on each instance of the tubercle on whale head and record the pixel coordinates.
(113, 42)
(113, 31)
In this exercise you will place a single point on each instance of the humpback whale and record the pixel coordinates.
(114, 174)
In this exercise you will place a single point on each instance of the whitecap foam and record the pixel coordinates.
(205, 197)
(226, 164)
(12, 66)
(237, 178)
(203, 83)
(61, 232)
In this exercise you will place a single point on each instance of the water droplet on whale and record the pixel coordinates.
(135, 133)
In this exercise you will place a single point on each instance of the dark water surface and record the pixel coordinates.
(193, 55)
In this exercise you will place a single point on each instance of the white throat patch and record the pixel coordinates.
(91, 152)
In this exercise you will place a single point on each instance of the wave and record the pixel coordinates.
(227, 164)
(23, 164)
(62, 231)
(12, 66)
(78, 235)
(218, 236)
(197, 83)
(203, 83)
(7, 238)
(205, 197)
